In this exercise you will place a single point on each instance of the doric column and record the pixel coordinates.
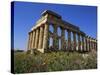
(46, 36)
(41, 38)
(79, 43)
(33, 37)
(82, 43)
(89, 43)
(62, 39)
(37, 38)
(93, 45)
(55, 40)
(86, 43)
(96, 45)
(69, 39)
(88, 46)
(31, 40)
(28, 48)
(74, 40)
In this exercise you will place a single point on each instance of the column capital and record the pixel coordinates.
(68, 30)
(74, 32)
(79, 34)
(55, 25)
(30, 32)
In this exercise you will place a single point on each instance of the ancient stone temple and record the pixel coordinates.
(40, 35)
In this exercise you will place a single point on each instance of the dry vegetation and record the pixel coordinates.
(54, 61)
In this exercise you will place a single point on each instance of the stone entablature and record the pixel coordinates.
(39, 36)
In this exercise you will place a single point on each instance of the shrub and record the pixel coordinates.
(53, 61)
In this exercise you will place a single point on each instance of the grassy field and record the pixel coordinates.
(54, 61)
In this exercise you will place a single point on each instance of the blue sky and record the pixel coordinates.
(26, 14)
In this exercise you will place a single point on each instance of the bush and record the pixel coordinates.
(53, 61)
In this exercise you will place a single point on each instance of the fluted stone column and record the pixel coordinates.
(82, 43)
(74, 37)
(90, 44)
(29, 42)
(41, 38)
(33, 37)
(46, 37)
(55, 40)
(96, 45)
(93, 45)
(37, 42)
(79, 43)
(69, 39)
(62, 39)
(86, 43)
(37, 38)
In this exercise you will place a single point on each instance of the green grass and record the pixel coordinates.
(54, 61)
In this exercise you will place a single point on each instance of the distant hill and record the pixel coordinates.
(18, 50)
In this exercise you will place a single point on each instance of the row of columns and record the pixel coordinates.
(39, 39)
(84, 43)
(91, 44)
(63, 41)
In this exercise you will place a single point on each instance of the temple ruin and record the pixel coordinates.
(40, 35)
